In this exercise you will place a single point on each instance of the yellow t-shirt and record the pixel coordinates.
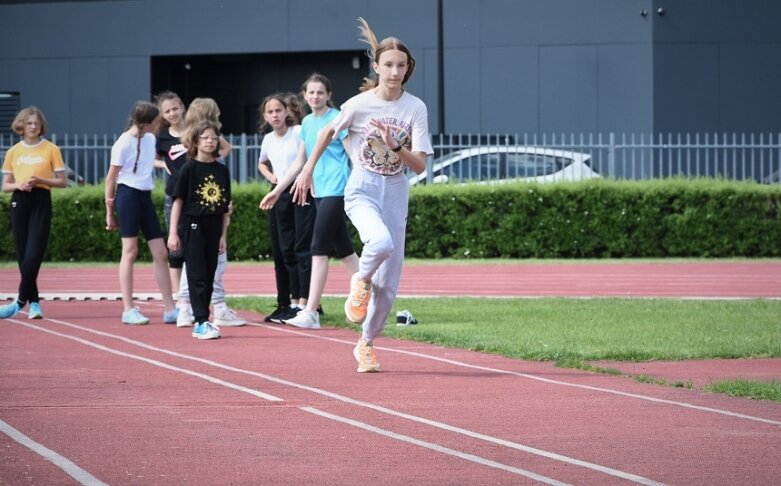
(24, 161)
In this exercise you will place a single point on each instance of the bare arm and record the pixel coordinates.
(10, 185)
(224, 236)
(109, 195)
(265, 170)
(271, 198)
(303, 185)
(60, 179)
(225, 147)
(174, 244)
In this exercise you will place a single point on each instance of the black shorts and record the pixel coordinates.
(137, 213)
(330, 236)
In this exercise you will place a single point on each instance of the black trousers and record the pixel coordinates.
(31, 218)
(294, 226)
(287, 285)
(201, 242)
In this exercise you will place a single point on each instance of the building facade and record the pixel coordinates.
(484, 66)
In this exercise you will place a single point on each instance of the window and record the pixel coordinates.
(532, 165)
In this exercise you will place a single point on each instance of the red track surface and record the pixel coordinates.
(688, 280)
(273, 405)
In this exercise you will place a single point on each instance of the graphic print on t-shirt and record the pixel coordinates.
(176, 151)
(377, 155)
(209, 194)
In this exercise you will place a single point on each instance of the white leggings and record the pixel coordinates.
(377, 207)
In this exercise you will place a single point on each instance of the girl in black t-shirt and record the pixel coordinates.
(171, 156)
(199, 219)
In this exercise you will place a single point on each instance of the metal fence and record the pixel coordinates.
(753, 156)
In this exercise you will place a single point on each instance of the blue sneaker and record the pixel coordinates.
(134, 318)
(35, 311)
(9, 310)
(170, 317)
(206, 330)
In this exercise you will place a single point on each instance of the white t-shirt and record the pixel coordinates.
(123, 154)
(408, 121)
(281, 151)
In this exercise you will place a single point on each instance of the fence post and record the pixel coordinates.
(243, 158)
(611, 155)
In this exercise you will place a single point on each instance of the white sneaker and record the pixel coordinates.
(185, 317)
(305, 320)
(206, 330)
(228, 318)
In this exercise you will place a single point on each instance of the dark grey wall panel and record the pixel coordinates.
(620, 22)
(568, 89)
(600, 66)
(90, 80)
(750, 87)
(718, 21)
(686, 93)
(508, 90)
(462, 100)
(568, 22)
(44, 83)
(625, 79)
(128, 83)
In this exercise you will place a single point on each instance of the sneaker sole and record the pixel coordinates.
(230, 323)
(135, 323)
(301, 326)
(203, 337)
(181, 324)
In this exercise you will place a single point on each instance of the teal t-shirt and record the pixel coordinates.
(333, 169)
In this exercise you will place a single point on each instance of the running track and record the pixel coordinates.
(84, 397)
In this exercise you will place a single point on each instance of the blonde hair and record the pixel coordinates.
(21, 118)
(200, 110)
(376, 49)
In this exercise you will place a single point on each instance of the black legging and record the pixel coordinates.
(294, 226)
(31, 218)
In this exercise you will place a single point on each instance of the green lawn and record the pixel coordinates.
(571, 332)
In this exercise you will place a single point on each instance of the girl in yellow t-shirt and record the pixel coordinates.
(31, 168)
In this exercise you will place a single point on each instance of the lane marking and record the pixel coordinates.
(414, 418)
(435, 447)
(67, 466)
(153, 362)
(462, 364)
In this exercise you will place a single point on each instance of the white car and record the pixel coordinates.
(502, 163)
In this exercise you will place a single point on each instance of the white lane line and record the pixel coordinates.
(462, 364)
(435, 447)
(68, 467)
(433, 423)
(211, 379)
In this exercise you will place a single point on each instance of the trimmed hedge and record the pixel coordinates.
(589, 219)
(596, 219)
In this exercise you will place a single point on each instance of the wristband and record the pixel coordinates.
(398, 148)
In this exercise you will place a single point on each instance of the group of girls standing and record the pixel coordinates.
(379, 132)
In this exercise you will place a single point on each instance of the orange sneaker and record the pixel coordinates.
(358, 301)
(364, 354)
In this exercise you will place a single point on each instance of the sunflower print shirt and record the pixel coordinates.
(204, 188)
